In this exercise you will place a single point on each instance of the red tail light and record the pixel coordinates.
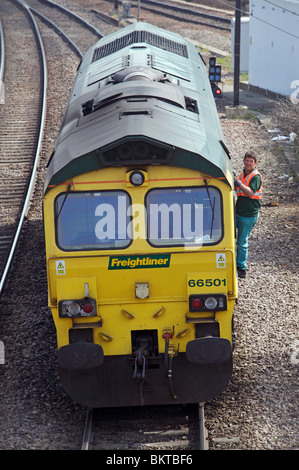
(88, 307)
(196, 303)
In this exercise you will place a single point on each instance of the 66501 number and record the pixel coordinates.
(206, 282)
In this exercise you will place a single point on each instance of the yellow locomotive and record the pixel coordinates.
(139, 227)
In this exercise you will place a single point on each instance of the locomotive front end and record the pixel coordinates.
(142, 286)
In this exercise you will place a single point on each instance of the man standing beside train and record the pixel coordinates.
(249, 194)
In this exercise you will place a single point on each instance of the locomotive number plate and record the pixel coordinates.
(206, 282)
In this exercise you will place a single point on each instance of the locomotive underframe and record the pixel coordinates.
(142, 379)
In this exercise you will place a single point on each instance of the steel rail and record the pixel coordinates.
(58, 31)
(106, 18)
(152, 4)
(2, 54)
(175, 16)
(87, 430)
(188, 10)
(74, 15)
(203, 442)
(31, 185)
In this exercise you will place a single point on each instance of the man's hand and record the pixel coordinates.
(245, 189)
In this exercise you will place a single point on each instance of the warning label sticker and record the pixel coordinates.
(60, 267)
(221, 260)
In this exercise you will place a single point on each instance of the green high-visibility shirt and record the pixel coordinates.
(247, 207)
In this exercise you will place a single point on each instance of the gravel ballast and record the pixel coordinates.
(259, 408)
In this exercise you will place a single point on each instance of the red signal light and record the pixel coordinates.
(216, 90)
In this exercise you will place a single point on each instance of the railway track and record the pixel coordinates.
(21, 129)
(195, 15)
(22, 123)
(179, 431)
(258, 411)
(174, 428)
(188, 15)
(67, 23)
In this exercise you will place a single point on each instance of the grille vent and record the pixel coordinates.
(137, 37)
(136, 152)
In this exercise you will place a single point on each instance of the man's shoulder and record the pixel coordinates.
(255, 182)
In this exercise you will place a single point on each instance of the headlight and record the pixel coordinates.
(73, 309)
(136, 178)
(211, 303)
(77, 308)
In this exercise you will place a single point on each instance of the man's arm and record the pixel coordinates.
(255, 184)
(248, 191)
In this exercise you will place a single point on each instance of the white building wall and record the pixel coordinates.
(274, 45)
(244, 44)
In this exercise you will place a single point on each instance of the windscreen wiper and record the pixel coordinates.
(66, 195)
(212, 204)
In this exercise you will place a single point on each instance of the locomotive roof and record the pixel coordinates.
(140, 82)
